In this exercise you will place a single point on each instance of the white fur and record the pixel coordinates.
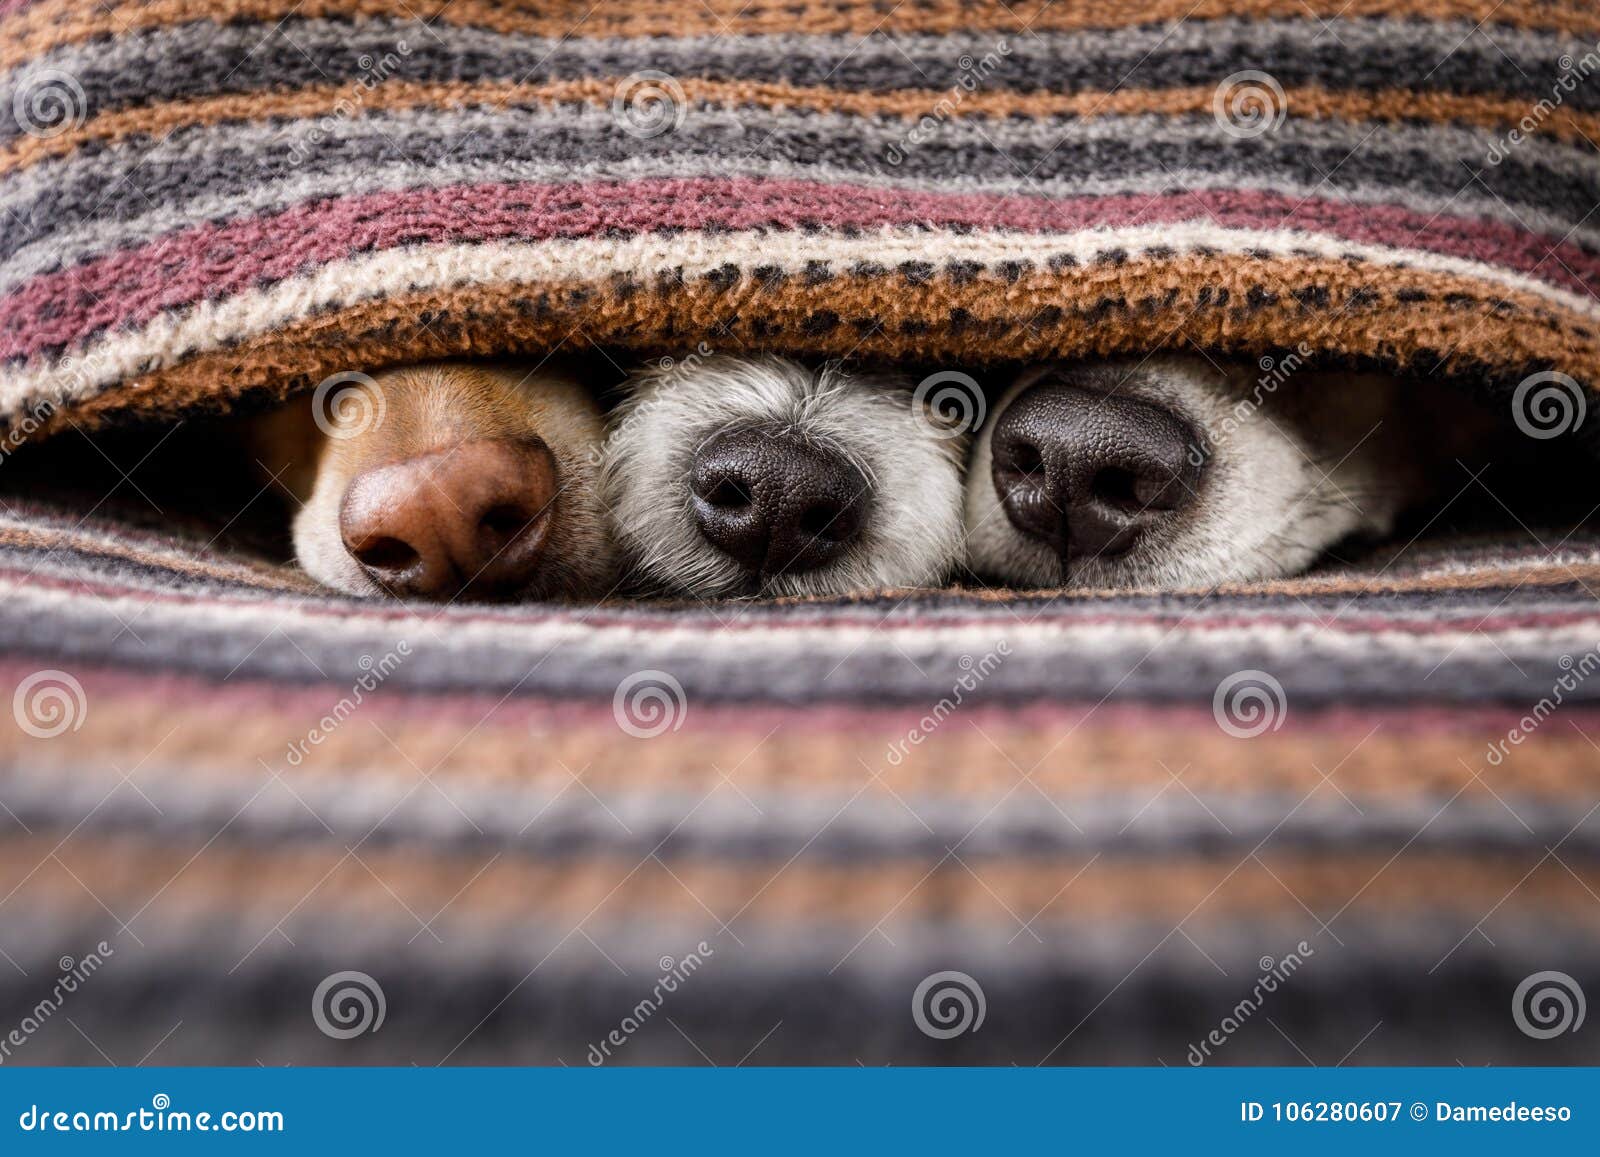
(320, 550)
(1288, 473)
(912, 532)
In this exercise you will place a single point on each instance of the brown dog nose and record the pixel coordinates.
(775, 501)
(469, 518)
(1088, 473)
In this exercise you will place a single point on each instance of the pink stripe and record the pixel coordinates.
(212, 261)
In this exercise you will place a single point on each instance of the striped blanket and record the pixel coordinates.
(1344, 818)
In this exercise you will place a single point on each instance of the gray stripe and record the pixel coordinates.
(344, 808)
(104, 186)
(1463, 608)
(202, 58)
(526, 990)
(1138, 661)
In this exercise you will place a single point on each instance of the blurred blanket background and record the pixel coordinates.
(1349, 817)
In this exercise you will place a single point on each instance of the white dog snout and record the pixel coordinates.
(738, 476)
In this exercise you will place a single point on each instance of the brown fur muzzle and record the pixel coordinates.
(446, 480)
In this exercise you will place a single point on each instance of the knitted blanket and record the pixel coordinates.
(1348, 817)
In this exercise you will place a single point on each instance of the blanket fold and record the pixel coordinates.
(204, 200)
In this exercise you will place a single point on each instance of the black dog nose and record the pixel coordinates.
(1088, 473)
(776, 501)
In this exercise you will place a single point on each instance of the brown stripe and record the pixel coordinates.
(264, 885)
(56, 22)
(1413, 319)
(484, 742)
(1563, 123)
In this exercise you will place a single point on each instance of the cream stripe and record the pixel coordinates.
(174, 336)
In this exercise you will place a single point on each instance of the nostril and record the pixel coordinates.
(1137, 491)
(828, 522)
(505, 521)
(1025, 458)
(386, 554)
(729, 494)
(1117, 488)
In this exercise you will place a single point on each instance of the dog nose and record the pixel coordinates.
(775, 501)
(469, 518)
(1089, 473)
